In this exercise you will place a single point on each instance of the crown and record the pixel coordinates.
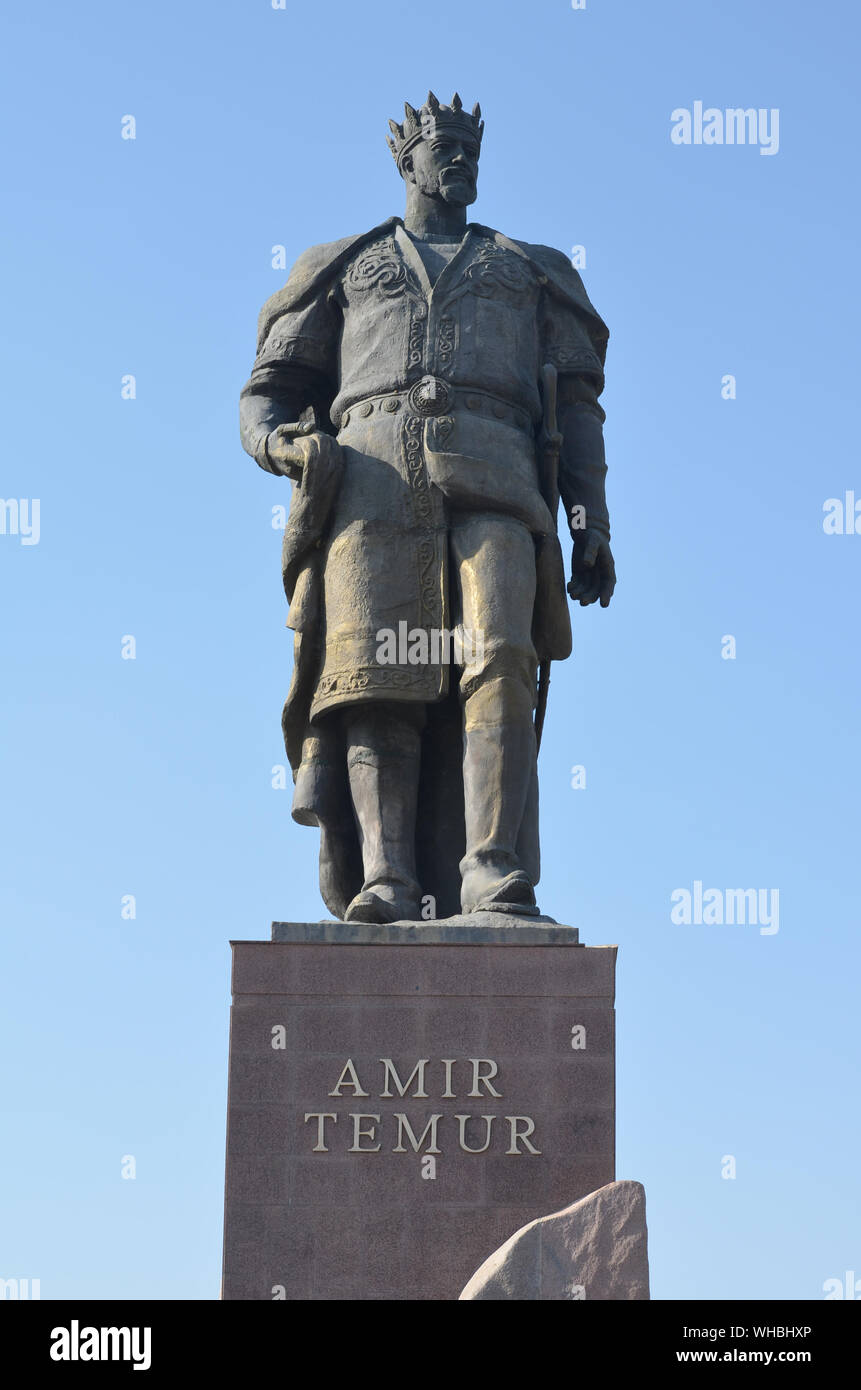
(420, 125)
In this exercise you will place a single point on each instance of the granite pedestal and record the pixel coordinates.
(402, 1099)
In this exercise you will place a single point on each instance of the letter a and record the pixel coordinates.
(681, 131)
(348, 1077)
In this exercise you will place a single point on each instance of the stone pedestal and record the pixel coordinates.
(403, 1099)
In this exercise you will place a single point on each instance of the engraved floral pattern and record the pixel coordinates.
(380, 268)
(493, 269)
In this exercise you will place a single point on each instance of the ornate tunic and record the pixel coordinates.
(433, 392)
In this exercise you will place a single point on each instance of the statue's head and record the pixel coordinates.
(437, 149)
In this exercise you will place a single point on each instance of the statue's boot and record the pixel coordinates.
(498, 767)
(383, 761)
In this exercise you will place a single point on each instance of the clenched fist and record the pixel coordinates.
(593, 573)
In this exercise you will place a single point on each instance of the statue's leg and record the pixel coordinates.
(494, 561)
(383, 762)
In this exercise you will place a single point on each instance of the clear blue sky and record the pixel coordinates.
(258, 127)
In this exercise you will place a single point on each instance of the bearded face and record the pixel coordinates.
(445, 166)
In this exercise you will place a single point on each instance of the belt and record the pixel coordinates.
(432, 396)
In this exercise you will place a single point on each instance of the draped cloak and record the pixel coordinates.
(365, 547)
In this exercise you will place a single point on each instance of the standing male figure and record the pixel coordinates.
(414, 354)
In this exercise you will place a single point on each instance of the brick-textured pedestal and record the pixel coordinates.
(345, 1208)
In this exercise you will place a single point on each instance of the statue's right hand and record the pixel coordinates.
(292, 448)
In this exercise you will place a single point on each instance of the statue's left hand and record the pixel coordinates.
(593, 573)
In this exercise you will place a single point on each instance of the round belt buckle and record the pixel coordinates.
(430, 396)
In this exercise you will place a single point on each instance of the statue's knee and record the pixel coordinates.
(501, 699)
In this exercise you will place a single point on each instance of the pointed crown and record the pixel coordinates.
(433, 116)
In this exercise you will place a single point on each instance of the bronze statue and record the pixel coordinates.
(409, 380)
